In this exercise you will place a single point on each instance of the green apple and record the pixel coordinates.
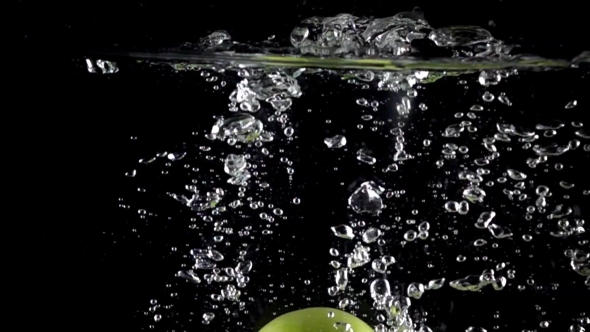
(317, 320)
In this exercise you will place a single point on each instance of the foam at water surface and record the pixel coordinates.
(402, 41)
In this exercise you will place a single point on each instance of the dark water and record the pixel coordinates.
(106, 123)
(152, 247)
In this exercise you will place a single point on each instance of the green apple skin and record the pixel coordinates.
(315, 320)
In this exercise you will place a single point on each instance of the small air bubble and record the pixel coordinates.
(571, 104)
(487, 97)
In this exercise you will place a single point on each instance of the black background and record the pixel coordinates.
(82, 124)
(134, 24)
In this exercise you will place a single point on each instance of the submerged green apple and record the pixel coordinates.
(317, 320)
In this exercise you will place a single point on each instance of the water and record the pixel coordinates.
(419, 194)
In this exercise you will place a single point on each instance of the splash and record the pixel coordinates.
(473, 179)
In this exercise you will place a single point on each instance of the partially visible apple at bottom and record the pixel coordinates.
(317, 320)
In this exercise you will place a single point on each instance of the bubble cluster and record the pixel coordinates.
(415, 202)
